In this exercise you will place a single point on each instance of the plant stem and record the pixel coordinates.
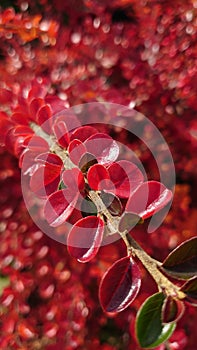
(133, 248)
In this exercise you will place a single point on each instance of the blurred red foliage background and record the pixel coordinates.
(138, 53)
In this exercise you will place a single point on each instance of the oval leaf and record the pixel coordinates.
(45, 180)
(148, 199)
(73, 179)
(112, 203)
(44, 115)
(190, 289)
(182, 261)
(49, 158)
(97, 176)
(83, 133)
(76, 150)
(126, 177)
(85, 238)
(61, 132)
(86, 161)
(88, 207)
(59, 206)
(34, 106)
(103, 147)
(149, 329)
(119, 285)
(172, 310)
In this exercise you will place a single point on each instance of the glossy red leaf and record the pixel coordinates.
(119, 285)
(61, 132)
(126, 177)
(97, 176)
(85, 238)
(83, 133)
(182, 261)
(15, 138)
(45, 180)
(46, 175)
(73, 179)
(172, 310)
(49, 159)
(33, 147)
(190, 289)
(148, 199)
(76, 150)
(34, 106)
(36, 143)
(69, 119)
(44, 118)
(103, 147)
(59, 206)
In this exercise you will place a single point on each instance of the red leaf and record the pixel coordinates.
(85, 238)
(126, 177)
(73, 179)
(45, 180)
(44, 118)
(69, 119)
(83, 133)
(36, 143)
(34, 106)
(148, 199)
(190, 289)
(76, 150)
(59, 206)
(119, 285)
(49, 159)
(20, 118)
(182, 261)
(15, 137)
(61, 133)
(172, 310)
(46, 177)
(97, 176)
(103, 147)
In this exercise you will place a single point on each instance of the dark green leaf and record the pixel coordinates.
(149, 329)
(182, 261)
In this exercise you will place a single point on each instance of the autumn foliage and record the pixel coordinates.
(86, 289)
